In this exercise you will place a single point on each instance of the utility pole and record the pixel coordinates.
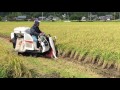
(68, 15)
(119, 15)
(54, 14)
(90, 15)
(114, 15)
(42, 16)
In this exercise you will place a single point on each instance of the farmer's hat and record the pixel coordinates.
(36, 22)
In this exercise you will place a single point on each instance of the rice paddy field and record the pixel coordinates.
(14, 66)
(98, 42)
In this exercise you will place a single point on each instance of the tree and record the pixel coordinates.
(77, 15)
(72, 15)
(0, 18)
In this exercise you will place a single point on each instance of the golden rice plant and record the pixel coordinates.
(97, 38)
(11, 65)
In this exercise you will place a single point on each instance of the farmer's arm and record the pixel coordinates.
(33, 32)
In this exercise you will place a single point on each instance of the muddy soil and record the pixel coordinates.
(106, 73)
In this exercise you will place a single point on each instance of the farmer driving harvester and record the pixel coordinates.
(35, 32)
(33, 40)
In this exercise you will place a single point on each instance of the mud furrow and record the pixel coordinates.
(96, 64)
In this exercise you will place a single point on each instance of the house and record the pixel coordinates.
(41, 18)
(93, 17)
(106, 17)
(83, 19)
(49, 18)
(102, 18)
(52, 18)
(56, 18)
(109, 17)
(21, 18)
(4, 19)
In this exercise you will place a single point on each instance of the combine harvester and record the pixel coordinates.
(23, 43)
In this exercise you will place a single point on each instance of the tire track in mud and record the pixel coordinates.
(84, 61)
(5, 37)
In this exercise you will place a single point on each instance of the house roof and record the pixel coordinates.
(22, 17)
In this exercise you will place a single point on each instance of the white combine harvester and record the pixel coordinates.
(23, 43)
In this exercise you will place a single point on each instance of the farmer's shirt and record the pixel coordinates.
(35, 31)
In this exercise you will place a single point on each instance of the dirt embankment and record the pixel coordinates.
(107, 70)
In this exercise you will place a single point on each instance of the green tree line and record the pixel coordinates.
(68, 15)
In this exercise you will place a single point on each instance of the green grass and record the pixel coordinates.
(64, 68)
